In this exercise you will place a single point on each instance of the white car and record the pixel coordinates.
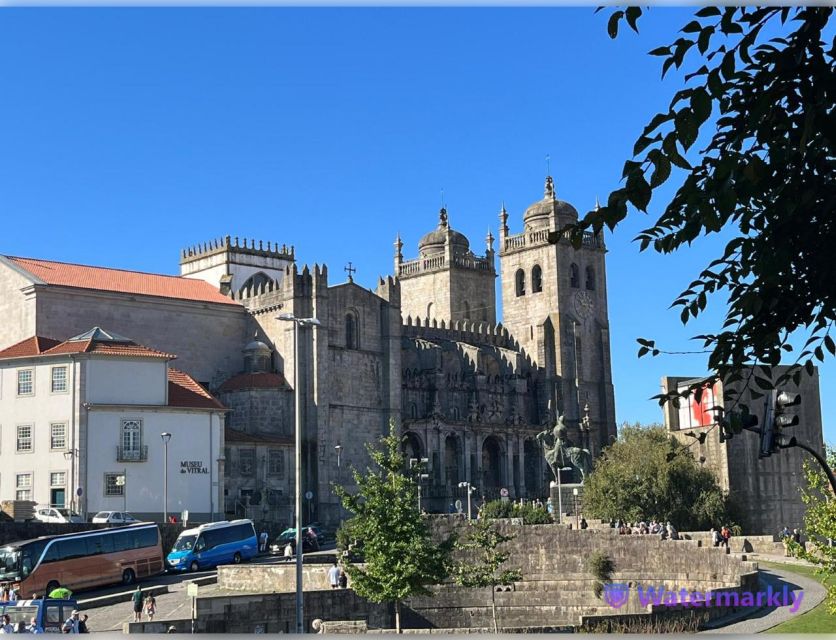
(114, 517)
(56, 514)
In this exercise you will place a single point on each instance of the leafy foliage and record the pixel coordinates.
(601, 566)
(529, 513)
(768, 174)
(647, 475)
(400, 558)
(820, 525)
(482, 566)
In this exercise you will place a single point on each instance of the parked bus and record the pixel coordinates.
(82, 560)
(212, 544)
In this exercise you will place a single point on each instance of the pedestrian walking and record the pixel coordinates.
(137, 601)
(288, 551)
(150, 607)
(7, 625)
(71, 624)
(715, 537)
(263, 541)
(584, 525)
(334, 576)
(343, 579)
(82, 624)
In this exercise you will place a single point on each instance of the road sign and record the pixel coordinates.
(192, 589)
(308, 495)
(79, 491)
(503, 492)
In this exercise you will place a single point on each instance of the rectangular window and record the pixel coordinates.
(276, 462)
(24, 438)
(25, 382)
(58, 436)
(131, 440)
(246, 460)
(59, 379)
(57, 479)
(114, 485)
(23, 485)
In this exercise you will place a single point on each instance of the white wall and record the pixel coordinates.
(190, 441)
(117, 381)
(40, 410)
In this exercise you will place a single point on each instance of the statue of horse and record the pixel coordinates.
(562, 453)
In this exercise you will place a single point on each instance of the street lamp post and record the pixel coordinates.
(560, 494)
(470, 490)
(575, 500)
(297, 322)
(420, 465)
(70, 456)
(166, 437)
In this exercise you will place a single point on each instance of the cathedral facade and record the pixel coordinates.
(423, 350)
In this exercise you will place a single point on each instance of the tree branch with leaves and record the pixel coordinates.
(767, 173)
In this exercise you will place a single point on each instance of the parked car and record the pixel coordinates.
(114, 517)
(308, 545)
(56, 514)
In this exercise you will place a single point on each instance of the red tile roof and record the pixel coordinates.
(34, 346)
(125, 349)
(185, 391)
(253, 381)
(135, 282)
(233, 436)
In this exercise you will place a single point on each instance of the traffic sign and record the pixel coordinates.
(308, 495)
(192, 589)
(503, 492)
(79, 491)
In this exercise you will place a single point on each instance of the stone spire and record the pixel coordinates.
(398, 253)
(489, 241)
(503, 221)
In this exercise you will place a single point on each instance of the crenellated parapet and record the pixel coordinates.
(244, 246)
(459, 331)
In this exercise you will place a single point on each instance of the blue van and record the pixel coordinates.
(212, 544)
(49, 613)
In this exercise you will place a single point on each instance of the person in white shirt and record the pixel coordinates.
(71, 624)
(334, 576)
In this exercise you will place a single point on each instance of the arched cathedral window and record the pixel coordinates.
(574, 277)
(352, 338)
(255, 281)
(520, 281)
(536, 279)
(590, 279)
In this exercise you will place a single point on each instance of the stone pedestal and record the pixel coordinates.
(569, 502)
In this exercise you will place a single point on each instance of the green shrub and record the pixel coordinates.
(529, 513)
(601, 566)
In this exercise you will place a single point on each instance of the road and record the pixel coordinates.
(170, 606)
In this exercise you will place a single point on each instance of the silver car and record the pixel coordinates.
(56, 514)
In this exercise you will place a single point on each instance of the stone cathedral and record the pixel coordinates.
(423, 349)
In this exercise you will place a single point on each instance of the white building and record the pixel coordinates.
(77, 415)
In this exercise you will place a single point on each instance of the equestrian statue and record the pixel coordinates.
(561, 452)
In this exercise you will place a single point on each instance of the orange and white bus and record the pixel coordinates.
(82, 560)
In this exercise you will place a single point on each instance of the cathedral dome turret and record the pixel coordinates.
(539, 213)
(257, 356)
(435, 240)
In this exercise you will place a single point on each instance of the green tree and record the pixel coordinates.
(820, 525)
(766, 176)
(400, 557)
(646, 474)
(482, 564)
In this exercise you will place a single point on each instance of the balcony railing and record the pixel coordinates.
(132, 454)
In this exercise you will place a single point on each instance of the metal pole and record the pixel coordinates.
(125, 490)
(559, 498)
(299, 545)
(468, 503)
(165, 480)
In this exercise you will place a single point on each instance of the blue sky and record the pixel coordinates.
(129, 134)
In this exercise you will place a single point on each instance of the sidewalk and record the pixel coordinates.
(768, 617)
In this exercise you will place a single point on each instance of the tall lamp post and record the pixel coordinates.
(420, 465)
(577, 516)
(560, 470)
(470, 490)
(298, 322)
(166, 436)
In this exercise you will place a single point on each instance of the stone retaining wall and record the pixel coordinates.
(766, 545)
(274, 578)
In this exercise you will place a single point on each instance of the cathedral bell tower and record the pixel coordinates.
(554, 303)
